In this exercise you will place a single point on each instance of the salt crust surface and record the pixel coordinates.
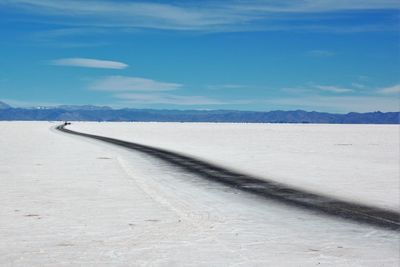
(359, 163)
(69, 201)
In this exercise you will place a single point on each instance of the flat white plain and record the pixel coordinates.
(353, 162)
(69, 201)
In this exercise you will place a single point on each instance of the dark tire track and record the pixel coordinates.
(265, 188)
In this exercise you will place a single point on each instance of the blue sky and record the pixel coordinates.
(323, 55)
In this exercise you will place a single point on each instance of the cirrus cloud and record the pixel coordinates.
(167, 99)
(333, 89)
(201, 15)
(339, 104)
(395, 89)
(124, 83)
(89, 63)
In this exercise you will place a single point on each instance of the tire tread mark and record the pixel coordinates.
(265, 188)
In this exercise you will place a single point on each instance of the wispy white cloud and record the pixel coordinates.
(28, 104)
(89, 63)
(338, 103)
(367, 99)
(125, 83)
(66, 37)
(358, 85)
(395, 89)
(333, 89)
(194, 15)
(171, 99)
(310, 6)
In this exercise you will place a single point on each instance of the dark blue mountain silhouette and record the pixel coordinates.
(93, 113)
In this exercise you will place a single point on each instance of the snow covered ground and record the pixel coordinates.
(352, 162)
(71, 201)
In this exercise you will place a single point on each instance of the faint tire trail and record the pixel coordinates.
(265, 188)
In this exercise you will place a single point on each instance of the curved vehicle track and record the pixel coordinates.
(264, 188)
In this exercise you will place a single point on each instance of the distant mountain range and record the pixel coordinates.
(95, 113)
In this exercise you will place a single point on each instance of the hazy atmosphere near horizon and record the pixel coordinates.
(331, 56)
